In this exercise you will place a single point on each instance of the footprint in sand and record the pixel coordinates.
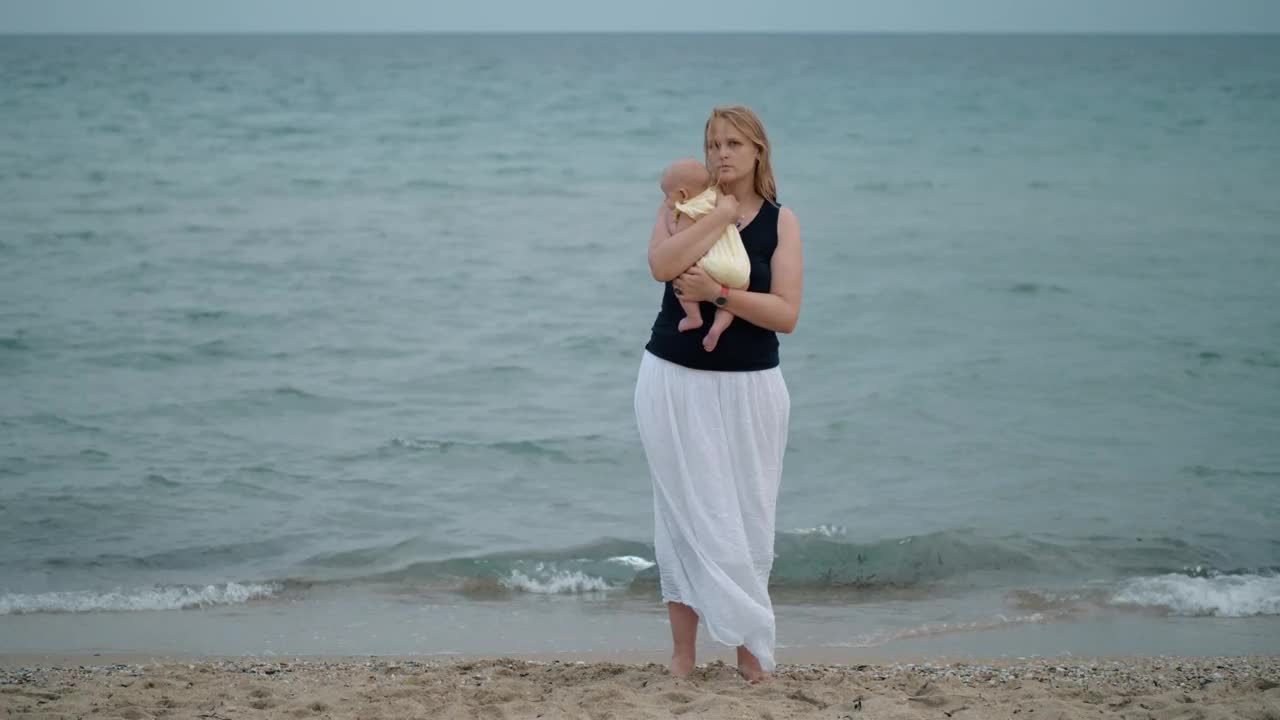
(929, 695)
(697, 706)
(261, 699)
(311, 709)
(34, 694)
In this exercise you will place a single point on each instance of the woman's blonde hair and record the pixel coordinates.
(747, 123)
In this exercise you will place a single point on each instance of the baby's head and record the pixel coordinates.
(684, 179)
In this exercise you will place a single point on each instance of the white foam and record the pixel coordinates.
(822, 531)
(173, 597)
(632, 561)
(1218, 595)
(885, 637)
(558, 582)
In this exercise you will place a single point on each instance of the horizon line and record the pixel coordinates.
(277, 32)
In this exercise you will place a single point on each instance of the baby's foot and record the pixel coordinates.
(711, 340)
(692, 322)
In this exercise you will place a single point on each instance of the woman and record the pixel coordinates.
(714, 424)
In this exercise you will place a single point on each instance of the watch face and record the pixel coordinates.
(721, 301)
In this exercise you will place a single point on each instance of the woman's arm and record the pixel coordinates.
(671, 254)
(778, 309)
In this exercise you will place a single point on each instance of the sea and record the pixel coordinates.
(327, 344)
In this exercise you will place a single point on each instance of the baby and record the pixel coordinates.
(689, 194)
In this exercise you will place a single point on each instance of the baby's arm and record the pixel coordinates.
(668, 253)
(682, 221)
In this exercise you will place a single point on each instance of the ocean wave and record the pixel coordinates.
(631, 561)
(1213, 595)
(822, 530)
(531, 448)
(562, 449)
(190, 557)
(1248, 473)
(1194, 592)
(928, 630)
(1031, 288)
(895, 187)
(139, 359)
(1057, 602)
(605, 564)
(430, 184)
(811, 565)
(821, 557)
(287, 398)
(554, 582)
(204, 315)
(172, 597)
(158, 480)
(58, 424)
(817, 558)
(13, 344)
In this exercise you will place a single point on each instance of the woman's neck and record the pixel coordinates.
(744, 191)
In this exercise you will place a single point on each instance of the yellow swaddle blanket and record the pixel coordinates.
(727, 260)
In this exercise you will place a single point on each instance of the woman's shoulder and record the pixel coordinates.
(776, 206)
(788, 224)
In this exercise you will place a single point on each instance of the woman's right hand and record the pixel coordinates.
(728, 205)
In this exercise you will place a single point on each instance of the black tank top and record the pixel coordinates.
(742, 346)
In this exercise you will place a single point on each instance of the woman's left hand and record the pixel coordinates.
(696, 285)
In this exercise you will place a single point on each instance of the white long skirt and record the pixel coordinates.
(714, 442)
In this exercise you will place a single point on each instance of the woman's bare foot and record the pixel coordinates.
(749, 666)
(690, 322)
(681, 664)
(684, 638)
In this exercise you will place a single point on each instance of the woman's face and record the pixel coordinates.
(730, 156)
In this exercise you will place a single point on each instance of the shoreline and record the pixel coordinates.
(635, 687)
(707, 655)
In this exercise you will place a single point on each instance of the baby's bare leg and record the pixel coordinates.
(692, 316)
(723, 318)
(692, 313)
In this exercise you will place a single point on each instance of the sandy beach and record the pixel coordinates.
(376, 688)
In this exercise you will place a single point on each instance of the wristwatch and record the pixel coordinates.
(723, 298)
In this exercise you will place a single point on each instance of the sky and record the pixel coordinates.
(149, 16)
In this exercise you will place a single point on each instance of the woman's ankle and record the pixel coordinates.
(682, 662)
